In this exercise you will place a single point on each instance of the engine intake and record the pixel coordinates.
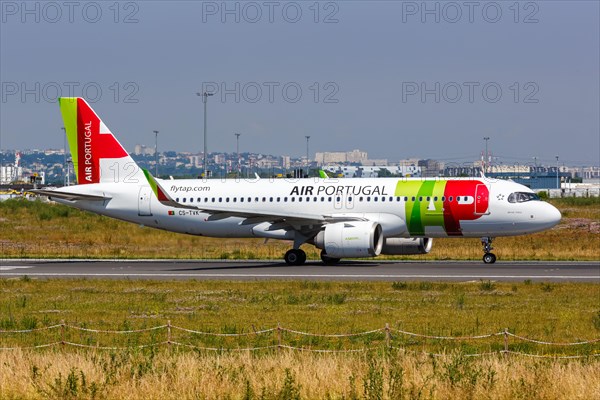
(407, 246)
(351, 239)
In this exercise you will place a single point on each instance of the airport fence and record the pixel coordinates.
(281, 338)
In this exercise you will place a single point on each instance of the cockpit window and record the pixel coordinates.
(522, 197)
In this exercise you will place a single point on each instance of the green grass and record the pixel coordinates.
(552, 312)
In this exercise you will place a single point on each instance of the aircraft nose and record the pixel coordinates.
(551, 216)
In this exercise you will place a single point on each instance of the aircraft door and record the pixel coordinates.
(482, 195)
(337, 201)
(144, 201)
(349, 201)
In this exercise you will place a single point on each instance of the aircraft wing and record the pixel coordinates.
(231, 210)
(58, 194)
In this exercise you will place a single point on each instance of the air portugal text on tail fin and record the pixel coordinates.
(98, 157)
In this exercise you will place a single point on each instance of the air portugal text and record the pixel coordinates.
(339, 190)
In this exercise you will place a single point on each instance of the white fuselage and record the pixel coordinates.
(383, 200)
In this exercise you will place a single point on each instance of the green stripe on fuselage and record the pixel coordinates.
(421, 213)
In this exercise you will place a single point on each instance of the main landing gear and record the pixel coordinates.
(295, 257)
(488, 257)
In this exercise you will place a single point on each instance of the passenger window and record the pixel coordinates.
(382, 198)
(235, 199)
(278, 199)
(315, 198)
(184, 199)
(177, 199)
(405, 198)
(227, 200)
(368, 198)
(360, 199)
(270, 199)
(349, 199)
(420, 198)
(264, 199)
(413, 198)
(450, 198)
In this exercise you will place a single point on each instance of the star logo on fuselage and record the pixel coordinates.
(500, 197)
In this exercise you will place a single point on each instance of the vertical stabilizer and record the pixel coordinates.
(97, 155)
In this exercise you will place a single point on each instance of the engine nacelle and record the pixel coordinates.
(351, 239)
(407, 246)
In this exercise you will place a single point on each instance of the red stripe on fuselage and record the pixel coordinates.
(454, 211)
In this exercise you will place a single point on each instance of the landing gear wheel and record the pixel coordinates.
(295, 257)
(489, 258)
(328, 260)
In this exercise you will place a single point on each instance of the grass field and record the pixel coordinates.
(35, 229)
(549, 312)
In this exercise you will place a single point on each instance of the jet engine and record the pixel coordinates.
(351, 239)
(406, 246)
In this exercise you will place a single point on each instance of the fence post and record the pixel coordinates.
(169, 333)
(387, 335)
(62, 333)
(278, 336)
(505, 341)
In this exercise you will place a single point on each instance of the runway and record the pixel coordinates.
(265, 270)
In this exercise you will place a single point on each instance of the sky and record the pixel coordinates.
(398, 79)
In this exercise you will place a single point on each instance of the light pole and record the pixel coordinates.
(485, 165)
(156, 153)
(64, 155)
(307, 164)
(205, 100)
(237, 151)
(557, 178)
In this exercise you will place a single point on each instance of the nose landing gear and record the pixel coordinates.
(488, 257)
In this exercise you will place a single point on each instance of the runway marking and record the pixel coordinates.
(358, 276)
(11, 267)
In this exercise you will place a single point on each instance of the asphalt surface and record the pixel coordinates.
(264, 270)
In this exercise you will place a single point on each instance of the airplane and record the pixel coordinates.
(344, 218)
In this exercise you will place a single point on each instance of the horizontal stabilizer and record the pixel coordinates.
(68, 195)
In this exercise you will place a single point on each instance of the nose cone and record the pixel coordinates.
(550, 216)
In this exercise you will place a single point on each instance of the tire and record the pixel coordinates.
(295, 257)
(489, 258)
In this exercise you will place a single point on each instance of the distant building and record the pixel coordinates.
(375, 171)
(354, 156)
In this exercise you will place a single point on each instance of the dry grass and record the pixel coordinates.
(286, 375)
(31, 230)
